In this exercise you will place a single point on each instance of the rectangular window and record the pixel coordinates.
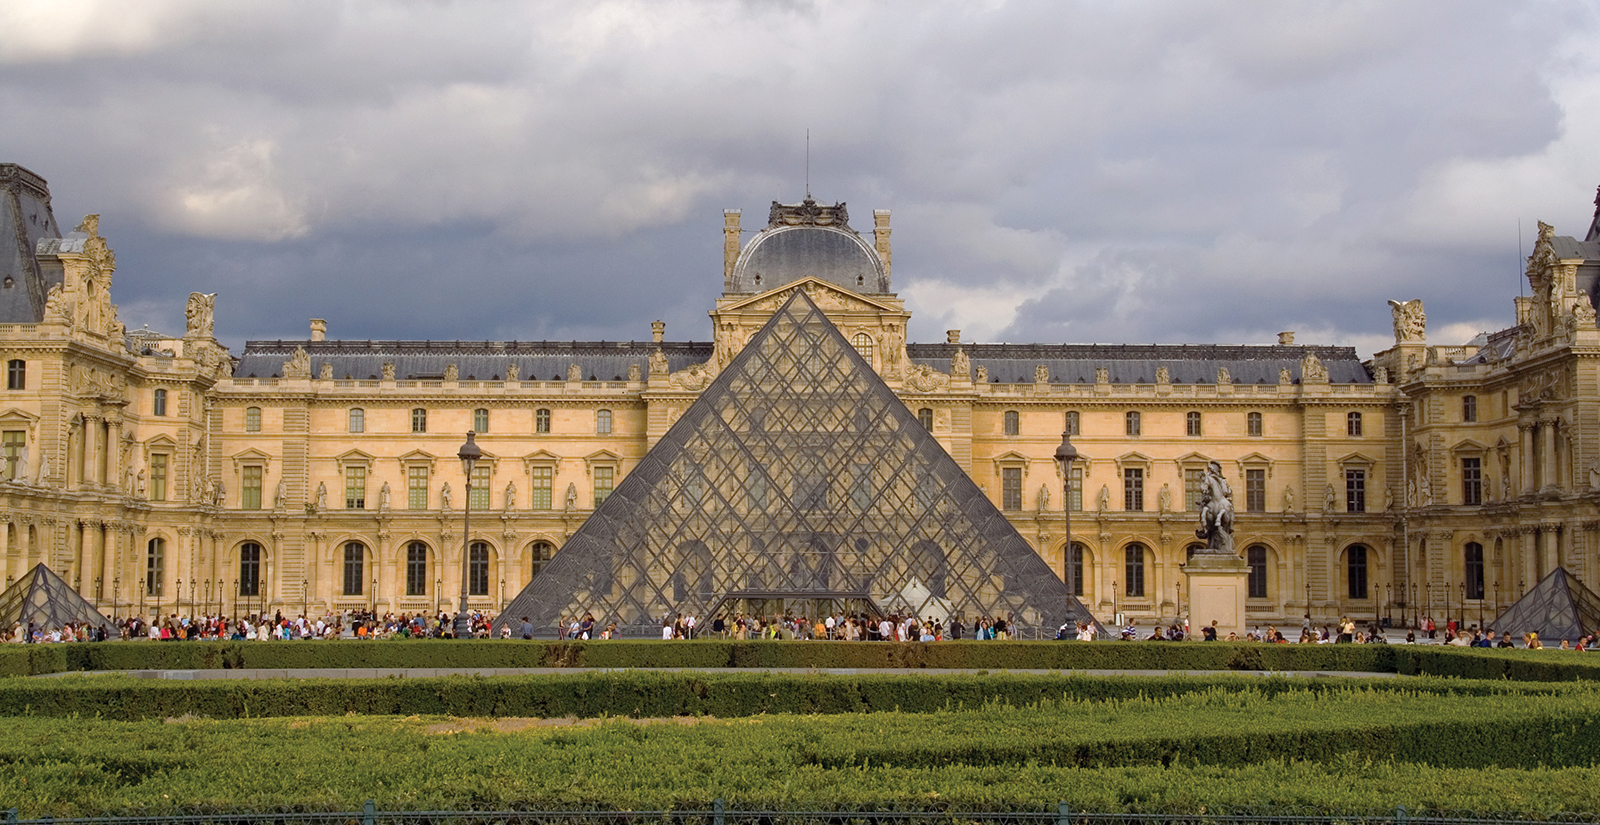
(1469, 408)
(602, 422)
(358, 420)
(1013, 423)
(1194, 480)
(1076, 501)
(480, 485)
(355, 488)
(1133, 489)
(419, 420)
(1252, 424)
(1352, 425)
(1471, 481)
(603, 479)
(416, 488)
(543, 481)
(480, 421)
(416, 569)
(1192, 424)
(1071, 424)
(252, 419)
(1132, 423)
(541, 421)
(158, 476)
(250, 488)
(14, 441)
(16, 374)
(1355, 491)
(354, 568)
(1255, 491)
(1133, 570)
(1011, 488)
(1256, 557)
(1356, 571)
(1075, 564)
(1474, 566)
(925, 418)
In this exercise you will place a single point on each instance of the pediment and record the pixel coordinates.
(602, 457)
(828, 297)
(1468, 445)
(419, 457)
(250, 456)
(1193, 458)
(161, 442)
(1133, 458)
(1356, 458)
(14, 418)
(542, 457)
(355, 457)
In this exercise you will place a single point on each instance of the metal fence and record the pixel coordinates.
(720, 815)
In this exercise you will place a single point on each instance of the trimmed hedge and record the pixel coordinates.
(1520, 665)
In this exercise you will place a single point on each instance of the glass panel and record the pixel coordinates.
(1193, 480)
(1255, 491)
(543, 480)
(1256, 556)
(416, 569)
(1011, 488)
(481, 481)
(158, 476)
(1252, 424)
(13, 441)
(416, 488)
(1133, 570)
(480, 421)
(1133, 489)
(252, 420)
(478, 570)
(541, 421)
(1355, 491)
(250, 489)
(249, 569)
(1356, 571)
(355, 487)
(1471, 481)
(354, 568)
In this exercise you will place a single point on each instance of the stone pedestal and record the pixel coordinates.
(1217, 589)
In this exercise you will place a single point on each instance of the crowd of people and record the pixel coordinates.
(278, 627)
(838, 626)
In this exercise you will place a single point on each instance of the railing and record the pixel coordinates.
(886, 815)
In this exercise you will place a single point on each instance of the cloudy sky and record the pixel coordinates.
(1059, 172)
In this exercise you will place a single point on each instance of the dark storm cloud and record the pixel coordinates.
(1083, 172)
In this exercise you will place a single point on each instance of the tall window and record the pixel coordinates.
(416, 569)
(252, 419)
(355, 487)
(1011, 488)
(480, 420)
(1255, 491)
(1191, 424)
(1471, 481)
(250, 487)
(1075, 496)
(1252, 424)
(1256, 557)
(541, 420)
(603, 478)
(16, 374)
(539, 553)
(155, 567)
(863, 344)
(355, 557)
(1075, 564)
(1131, 426)
(1356, 570)
(1474, 560)
(543, 482)
(358, 420)
(416, 488)
(1355, 491)
(249, 569)
(1013, 423)
(1133, 488)
(480, 485)
(1352, 424)
(1070, 425)
(602, 422)
(158, 405)
(1194, 479)
(925, 417)
(158, 476)
(1133, 569)
(478, 569)
(419, 420)
(14, 441)
(1469, 408)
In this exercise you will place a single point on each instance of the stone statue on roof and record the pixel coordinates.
(1410, 322)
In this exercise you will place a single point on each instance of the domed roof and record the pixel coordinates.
(808, 240)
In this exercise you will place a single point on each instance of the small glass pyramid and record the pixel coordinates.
(798, 482)
(46, 600)
(1558, 607)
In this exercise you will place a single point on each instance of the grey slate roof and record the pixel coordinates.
(25, 220)
(474, 360)
(1567, 247)
(1137, 363)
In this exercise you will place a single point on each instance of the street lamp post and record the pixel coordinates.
(305, 596)
(208, 596)
(1416, 609)
(1066, 456)
(1308, 600)
(193, 591)
(141, 598)
(1463, 622)
(116, 593)
(469, 455)
(1388, 599)
(236, 598)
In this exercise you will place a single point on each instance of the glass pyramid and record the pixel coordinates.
(798, 482)
(46, 600)
(1558, 607)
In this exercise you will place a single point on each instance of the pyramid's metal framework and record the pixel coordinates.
(1558, 607)
(48, 602)
(799, 476)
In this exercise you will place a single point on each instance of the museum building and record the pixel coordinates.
(164, 474)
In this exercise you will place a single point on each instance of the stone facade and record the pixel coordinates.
(320, 474)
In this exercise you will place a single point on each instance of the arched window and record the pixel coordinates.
(539, 554)
(1356, 570)
(1256, 557)
(1075, 568)
(1191, 424)
(480, 420)
(1469, 408)
(252, 419)
(863, 344)
(602, 422)
(1474, 568)
(1013, 423)
(158, 406)
(358, 420)
(478, 570)
(1252, 424)
(416, 569)
(419, 420)
(1132, 423)
(355, 557)
(1352, 424)
(541, 420)
(16, 374)
(1133, 570)
(1070, 425)
(925, 416)
(249, 569)
(155, 567)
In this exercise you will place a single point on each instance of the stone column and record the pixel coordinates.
(1525, 431)
(1547, 455)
